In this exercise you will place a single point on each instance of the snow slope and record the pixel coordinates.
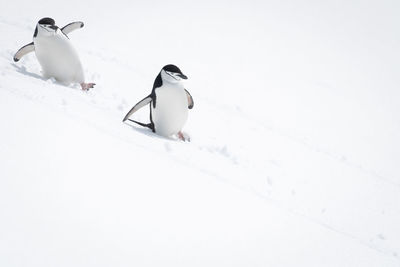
(294, 153)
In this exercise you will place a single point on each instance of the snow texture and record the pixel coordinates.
(294, 152)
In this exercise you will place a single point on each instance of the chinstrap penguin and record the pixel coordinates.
(55, 53)
(169, 103)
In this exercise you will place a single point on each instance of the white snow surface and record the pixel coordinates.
(294, 154)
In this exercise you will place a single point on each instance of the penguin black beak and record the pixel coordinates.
(183, 76)
(53, 27)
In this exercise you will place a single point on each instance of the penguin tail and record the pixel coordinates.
(148, 125)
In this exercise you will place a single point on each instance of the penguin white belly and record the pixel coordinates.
(59, 59)
(171, 110)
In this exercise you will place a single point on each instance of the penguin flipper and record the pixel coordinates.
(190, 99)
(138, 106)
(72, 26)
(23, 51)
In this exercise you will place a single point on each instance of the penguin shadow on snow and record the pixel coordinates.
(24, 71)
(149, 133)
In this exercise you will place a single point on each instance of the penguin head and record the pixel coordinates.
(45, 27)
(171, 73)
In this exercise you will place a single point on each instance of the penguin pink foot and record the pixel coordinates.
(182, 137)
(87, 86)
